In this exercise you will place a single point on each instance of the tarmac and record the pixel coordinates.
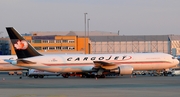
(123, 86)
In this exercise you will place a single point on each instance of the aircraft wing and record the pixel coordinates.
(105, 65)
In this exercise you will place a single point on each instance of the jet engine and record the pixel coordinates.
(123, 70)
(14, 62)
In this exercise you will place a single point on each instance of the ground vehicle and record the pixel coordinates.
(175, 71)
(40, 74)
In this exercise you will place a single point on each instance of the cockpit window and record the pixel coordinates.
(173, 57)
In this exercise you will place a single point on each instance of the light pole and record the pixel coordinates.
(88, 26)
(85, 32)
(88, 35)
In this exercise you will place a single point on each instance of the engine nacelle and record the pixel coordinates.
(126, 69)
(123, 70)
(14, 62)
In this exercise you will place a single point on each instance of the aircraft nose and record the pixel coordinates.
(176, 61)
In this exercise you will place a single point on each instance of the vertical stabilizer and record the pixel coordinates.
(22, 48)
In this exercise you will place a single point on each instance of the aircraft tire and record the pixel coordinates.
(83, 76)
(65, 75)
(165, 73)
(41, 76)
(35, 76)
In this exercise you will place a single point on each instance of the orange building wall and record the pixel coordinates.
(78, 44)
(81, 44)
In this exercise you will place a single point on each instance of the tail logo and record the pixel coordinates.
(21, 45)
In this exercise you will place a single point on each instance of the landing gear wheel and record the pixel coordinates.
(83, 76)
(65, 75)
(41, 76)
(35, 76)
(165, 73)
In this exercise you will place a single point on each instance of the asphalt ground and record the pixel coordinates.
(123, 86)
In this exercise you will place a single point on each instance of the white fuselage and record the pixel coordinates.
(5, 66)
(85, 62)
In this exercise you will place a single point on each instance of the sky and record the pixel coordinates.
(130, 17)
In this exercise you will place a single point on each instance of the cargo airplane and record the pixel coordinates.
(88, 64)
(5, 66)
(12, 69)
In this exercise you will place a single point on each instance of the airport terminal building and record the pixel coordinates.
(4, 46)
(97, 42)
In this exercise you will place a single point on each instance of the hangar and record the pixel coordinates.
(135, 43)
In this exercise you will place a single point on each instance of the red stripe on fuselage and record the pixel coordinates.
(71, 64)
(4, 63)
(118, 63)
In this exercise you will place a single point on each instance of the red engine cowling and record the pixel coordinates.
(123, 70)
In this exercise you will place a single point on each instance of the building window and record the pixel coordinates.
(51, 41)
(64, 41)
(38, 48)
(70, 41)
(58, 47)
(64, 48)
(45, 41)
(58, 41)
(71, 48)
(36, 41)
(51, 48)
(45, 48)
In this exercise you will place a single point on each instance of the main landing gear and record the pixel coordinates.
(89, 75)
(159, 73)
(93, 76)
(66, 75)
(165, 73)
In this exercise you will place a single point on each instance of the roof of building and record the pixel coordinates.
(130, 38)
(104, 36)
(49, 37)
(75, 33)
(174, 37)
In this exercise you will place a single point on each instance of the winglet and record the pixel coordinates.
(22, 48)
